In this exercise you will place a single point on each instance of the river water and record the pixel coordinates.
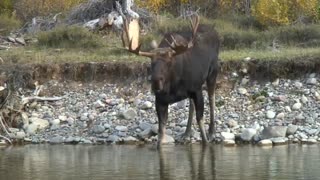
(59, 162)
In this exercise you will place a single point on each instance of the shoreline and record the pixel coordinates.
(118, 108)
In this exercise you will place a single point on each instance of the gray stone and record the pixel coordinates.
(155, 128)
(98, 129)
(56, 140)
(232, 123)
(247, 134)
(122, 134)
(270, 114)
(84, 117)
(113, 138)
(280, 115)
(167, 139)
(146, 105)
(20, 40)
(297, 106)
(107, 126)
(229, 142)
(31, 129)
(312, 131)
(279, 140)
(302, 135)
(147, 133)
(312, 81)
(129, 114)
(273, 132)
(312, 141)
(121, 128)
(145, 125)
(227, 136)
(242, 91)
(130, 139)
(72, 139)
(55, 122)
(298, 84)
(63, 118)
(265, 142)
(39, 123)
(184, 122)
(291, 129)
(304, 99)
(19, 135)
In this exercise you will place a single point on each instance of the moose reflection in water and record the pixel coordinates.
(52, 162)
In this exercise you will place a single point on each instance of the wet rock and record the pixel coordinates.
(227, 136)
(312, 141)
(56, 140)
(247, 134)
(113, 139)
(265, 142)
(279, 140)
(19, 135)
(72, 139)
(130, 139)
(291, 129)
(167, 139)
(155, 128)
(184, 123)
(273, 132)
(147, 133)
(229, 142)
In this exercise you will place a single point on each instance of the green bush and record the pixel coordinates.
(8, 23)
(303, 35)
(69, 37)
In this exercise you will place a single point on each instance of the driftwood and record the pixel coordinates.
(26, 100)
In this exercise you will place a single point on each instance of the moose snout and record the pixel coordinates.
(157, 84)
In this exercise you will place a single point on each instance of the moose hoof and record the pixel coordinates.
(212, 138)
(183, 138)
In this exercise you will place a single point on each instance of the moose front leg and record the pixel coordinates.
(162, 112)
(199, 106)
(187, 134)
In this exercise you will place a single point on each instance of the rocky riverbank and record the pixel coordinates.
(266, 113)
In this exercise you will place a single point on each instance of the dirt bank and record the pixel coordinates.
(24, 75)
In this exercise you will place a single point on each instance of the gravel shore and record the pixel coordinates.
(269, 113)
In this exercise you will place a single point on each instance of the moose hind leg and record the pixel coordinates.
(187, 134)
(211, 84)
(199, 106)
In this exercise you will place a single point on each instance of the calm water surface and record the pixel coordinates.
(57, 162)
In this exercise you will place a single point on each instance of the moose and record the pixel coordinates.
(180, 66)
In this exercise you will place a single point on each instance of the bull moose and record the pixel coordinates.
(180, 66)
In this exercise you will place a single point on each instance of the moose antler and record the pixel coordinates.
(130, 37)
(179, 44)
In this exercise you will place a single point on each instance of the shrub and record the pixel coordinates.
(8, 23)
(305, 35)
(69, 37)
